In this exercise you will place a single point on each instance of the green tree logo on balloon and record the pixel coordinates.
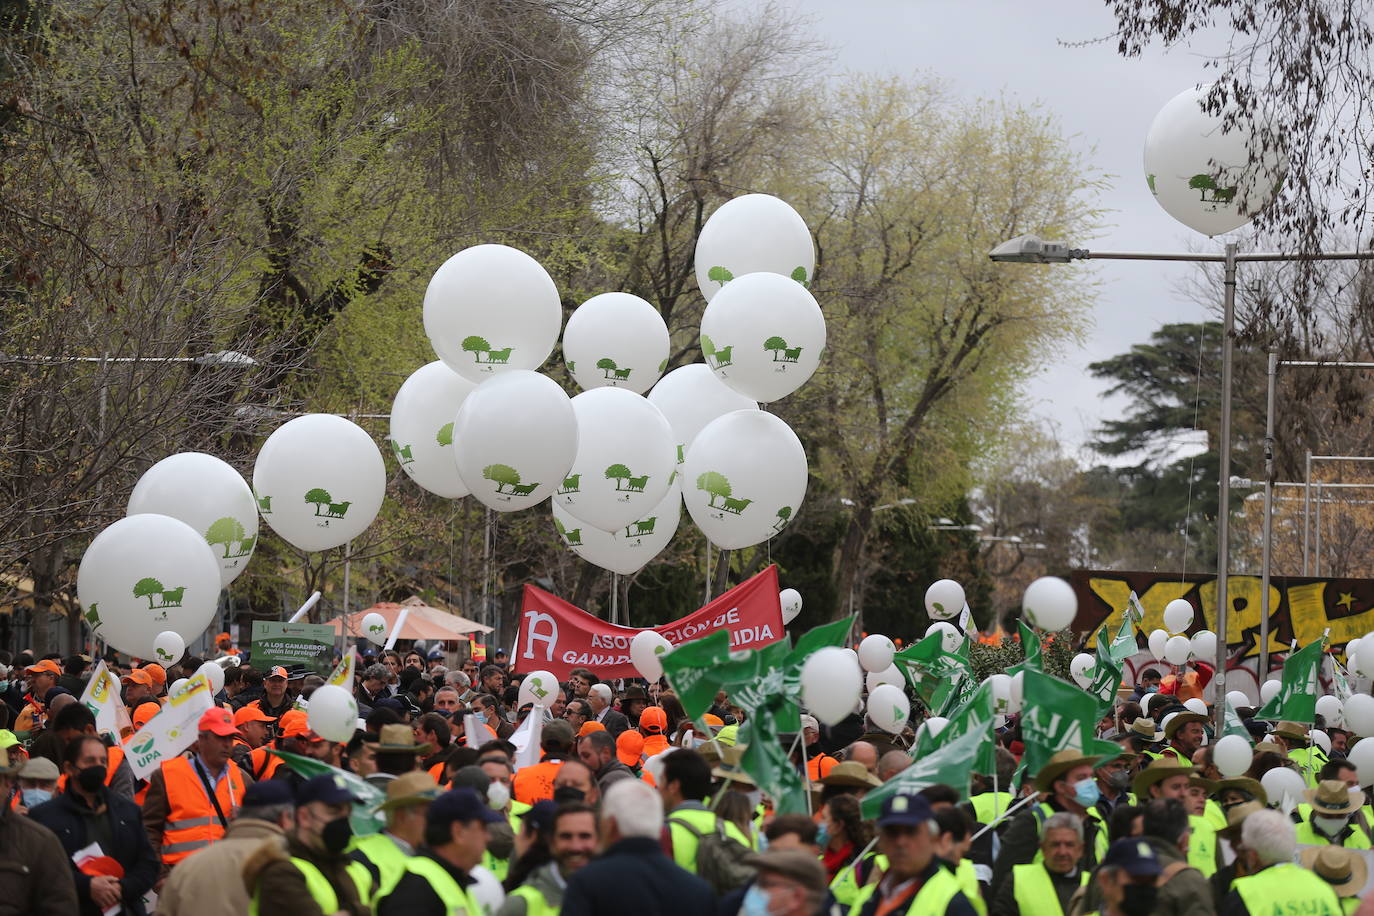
(1211, 192)
(482, 352)
(784, 516)
(503, 475)
(722, 498)
(164, 656)
(445, 434)
(719, 275)
(92, 615)
(230, 532)
(376, 629)
(166, 597)
(610, 371)
(264, 504)
(781, 353)
(625, 481)
(402, 453)
(718, 357)
(799, 274)
(325, 507)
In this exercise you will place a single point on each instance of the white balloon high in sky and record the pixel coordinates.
(211, 497)
(755, 232)
(422, 427)
(616, 340)
(490, 309)
(763, 335)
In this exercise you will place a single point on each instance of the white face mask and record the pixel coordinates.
(1329, 825)
(498, 796)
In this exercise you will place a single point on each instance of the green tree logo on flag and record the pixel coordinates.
(1055, 717)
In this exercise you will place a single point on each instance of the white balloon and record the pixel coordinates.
(1329, 708)
(763, 335)
(744, 478)
(168, 648)
(889, 708)
(791, 601)
(1320, 739)
(320, 481)
(1284, 787)
(944, 599)
(374, 628)
(875, 652)
(1147, 701)
(1361, 756)
(626, 550)
(333, 713)
(491, 309)
(211, 497)
(950, 637)
(538, 687)
(1358, 713)
(1268, 690)
(1081, 669)
(514, 440)
(1000, 686)
(144, 575)
(1196, 705)
(1157, 640)
(1177, 649)
(1018, 686)
(1238, 699)
(625, 463)
(616, 340)
(755, 232)
(1232, 755)
(1203, 176)
(646, 652)
(1364, 654)
(934, 725)
(1351, 649)
(422, 427)
(1050, 603)
(177, 685)
(831, 683)
(889, 675)
(214, 674)
(1204, 644)
(1178, 615)
(691, 397)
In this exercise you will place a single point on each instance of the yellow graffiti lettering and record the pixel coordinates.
(1244, 592)
(1116, 593)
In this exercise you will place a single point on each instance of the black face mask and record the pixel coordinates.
(564, 794)
(336, 834)
(91, 778)
(1139, 899)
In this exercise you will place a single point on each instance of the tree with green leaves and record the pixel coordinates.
(606, 365)
(320, 497)
(777, 345)
(226, 531)
(476, 346)
(714, 483)
(147, 588)
(619, 473)
(503, 475)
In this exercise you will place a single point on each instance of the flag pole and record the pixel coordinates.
(1006, 814)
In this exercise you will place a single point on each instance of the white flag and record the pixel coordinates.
(101, 697)
(171, 731)
(343, 672)
(528, 737)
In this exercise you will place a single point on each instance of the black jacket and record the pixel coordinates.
(415, 896)
(68, 817)
(634, 877)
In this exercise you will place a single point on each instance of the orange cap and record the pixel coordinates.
(158, 673)
(714, 721)
(653, 721)
(250, 714)
(46, 666)
(138, 676)
(224, 636)
(295, 724)
(217, 721)
(589, 727)
(277, 671)
(629, 747)
(144, 712)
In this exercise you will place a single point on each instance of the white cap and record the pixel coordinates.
(811, 723)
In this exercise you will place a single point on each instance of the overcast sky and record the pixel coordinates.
(990, 48)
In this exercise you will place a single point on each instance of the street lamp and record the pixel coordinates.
(1030, 249)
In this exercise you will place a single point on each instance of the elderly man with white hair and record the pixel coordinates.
(1273, 883)
(633, 876)
(600, 699)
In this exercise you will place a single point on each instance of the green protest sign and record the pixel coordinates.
(308, 645)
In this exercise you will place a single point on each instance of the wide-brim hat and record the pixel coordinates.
(1207, 785)
(410, 789)
(1331, 798)
(1158, 770)
(1146, 728)
(850, 773)
(1180, 719)
(1292, 731)
(398, 739)
(1344, 869)
(1252, 787)
(1058, 765)
(1235, 818)
(729, 767)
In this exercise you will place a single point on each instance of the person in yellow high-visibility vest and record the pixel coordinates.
(437, 879)
(384, 854)
(1344, 869)
(1127, 877)
(914, 884)
(1330, 810)
(1272, 882)
(1045, 888)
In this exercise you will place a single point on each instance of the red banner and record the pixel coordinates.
(558, 637)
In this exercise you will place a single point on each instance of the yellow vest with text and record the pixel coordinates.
(1202, 845)
(319, 887)
(1034, 891)
(932, 899)
(1286, 888)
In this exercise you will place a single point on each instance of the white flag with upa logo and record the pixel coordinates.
(171, 731)
(528, 737)
(101, 697)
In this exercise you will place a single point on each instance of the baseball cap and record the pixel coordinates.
(138, 676)
(294, 723)
(810, 722)
(464, 805)
(276, 671)
(330, 788)
(589, 727)
(222, 637)
(1134, 855)
(217, 721)
(653, 720)
(156, 672)
(267, 792)
(251, 714)
(793, 864)
(713, 721)
(436, 653)
(541, 815)
(629, 747)
(905, 811)
(144, 712)
(46, 666)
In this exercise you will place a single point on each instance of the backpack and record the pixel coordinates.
(720, 858)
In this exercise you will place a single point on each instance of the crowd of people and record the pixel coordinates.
(633, 808)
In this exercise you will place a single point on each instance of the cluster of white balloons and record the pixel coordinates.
(1172, 644)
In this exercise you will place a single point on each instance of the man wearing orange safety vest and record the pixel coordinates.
(534, 783)
(253, 725)
(293, 733)
(818, 763)
(192, 799)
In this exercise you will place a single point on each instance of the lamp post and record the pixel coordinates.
(1029, 249)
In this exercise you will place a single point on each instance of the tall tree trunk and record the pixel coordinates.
(850, 556)
(722, 574)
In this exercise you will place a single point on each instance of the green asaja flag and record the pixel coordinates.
(766, 760)
(974, 715)
(366, 819)
(1232, 725)
(695, 670)
(1123, 646)
(1030, 646)
(756, 680)
(1056, 716)
(948, 766)
(934, 674)
(1106, 673)
(1296, 700)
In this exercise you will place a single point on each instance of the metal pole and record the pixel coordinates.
(1224, 483)
(1306, 511)
(1267, 547)
(1317, 535)
(348, 569)
(615, 596)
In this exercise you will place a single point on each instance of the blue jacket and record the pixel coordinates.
(67, 816)
(634, 877)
